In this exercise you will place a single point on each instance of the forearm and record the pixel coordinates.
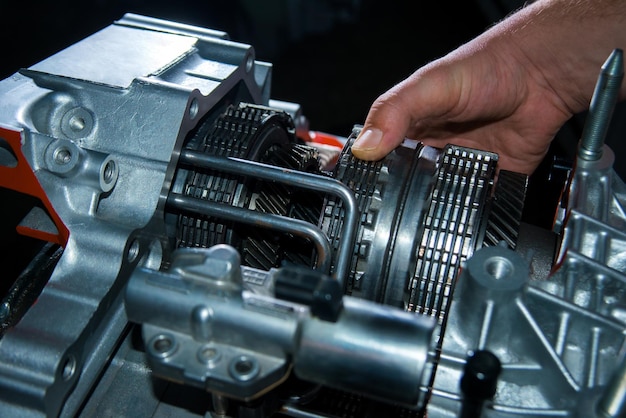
(567, 41)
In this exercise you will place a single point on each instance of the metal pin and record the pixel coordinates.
(602, 106)
(612, 404)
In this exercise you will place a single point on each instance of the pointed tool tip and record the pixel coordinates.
(614, 65)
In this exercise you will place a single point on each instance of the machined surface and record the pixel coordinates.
(88, 130)
(201, 327)
(151, 136)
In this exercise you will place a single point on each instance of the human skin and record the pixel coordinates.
(508, 90)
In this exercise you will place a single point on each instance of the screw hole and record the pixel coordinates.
(499, 268)
(109, 172)
(62, 156)
(162, 345)
(244, 368)
(69, 368)
(133, 251)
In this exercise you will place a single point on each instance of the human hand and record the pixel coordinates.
(502, 92)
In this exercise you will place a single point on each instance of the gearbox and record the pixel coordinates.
(195, 249)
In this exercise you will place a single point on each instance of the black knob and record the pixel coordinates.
(479, 382)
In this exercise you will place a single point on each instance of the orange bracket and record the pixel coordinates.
(21, 178)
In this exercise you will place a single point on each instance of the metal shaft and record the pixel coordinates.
(612, 404)
(296, 179)
(264, 220)
(602, 106)
(220, 406)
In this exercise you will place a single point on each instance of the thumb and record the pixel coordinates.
(430, 92)
(384, 128)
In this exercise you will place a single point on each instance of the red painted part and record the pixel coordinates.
(21, 178)
(324, 138)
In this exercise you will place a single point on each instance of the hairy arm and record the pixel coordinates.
(509, 90)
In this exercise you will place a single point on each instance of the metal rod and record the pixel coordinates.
(296, 227)
(296, 179)
(601, 107)
(612, 404)
(220, 405)
(295, 412)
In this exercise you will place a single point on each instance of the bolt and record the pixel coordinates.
(602, 106)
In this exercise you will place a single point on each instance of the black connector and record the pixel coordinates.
(308, 287)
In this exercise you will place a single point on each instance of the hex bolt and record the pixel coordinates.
(601, 107)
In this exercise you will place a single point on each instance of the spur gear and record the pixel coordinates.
(260, 134)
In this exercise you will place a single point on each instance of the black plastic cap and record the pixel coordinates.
(308, 287)
(480, 375)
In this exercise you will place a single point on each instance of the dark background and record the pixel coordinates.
(332, 56)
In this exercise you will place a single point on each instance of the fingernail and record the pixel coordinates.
(368, 139)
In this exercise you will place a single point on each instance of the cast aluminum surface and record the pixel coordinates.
(100, 124)
(103, 126)
(203, 328)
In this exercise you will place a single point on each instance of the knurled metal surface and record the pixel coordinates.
(366, 180)
(238, 132)
(452, 227)
(256, 133)
(507, 205)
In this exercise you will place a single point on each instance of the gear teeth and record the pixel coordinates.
(272, 201)
(506, 209)
(282, 200)
(259, 253)
(256, 133)
(242, 131)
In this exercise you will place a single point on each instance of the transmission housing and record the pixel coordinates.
(193, 248)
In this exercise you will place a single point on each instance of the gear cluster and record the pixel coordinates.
(422, 211)
(264, 135)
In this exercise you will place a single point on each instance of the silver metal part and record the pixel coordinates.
(304, 180)
(164, 174)
(101, 122)
(560, 338)
(613, 401)
(602, 106)
(549, 346)
(204, 329)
